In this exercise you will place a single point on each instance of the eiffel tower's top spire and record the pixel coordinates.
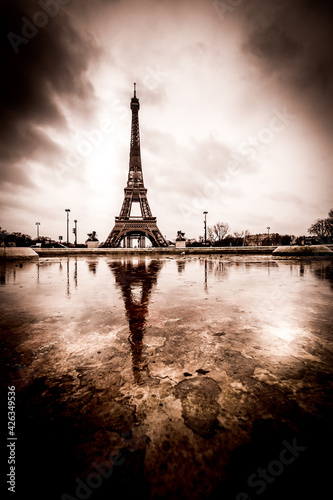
(135, 178)
(135, 104)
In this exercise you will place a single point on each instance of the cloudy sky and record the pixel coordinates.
(236, 112)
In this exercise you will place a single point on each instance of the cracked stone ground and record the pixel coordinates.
(183, 378)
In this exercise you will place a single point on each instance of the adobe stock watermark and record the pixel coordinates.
(103, 470)
(262, 478)
(40, 19)
(91, 140)
(250, 148)
(266, 135)
(154, 77)
(223, 8)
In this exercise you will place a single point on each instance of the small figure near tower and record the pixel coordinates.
(135, 192)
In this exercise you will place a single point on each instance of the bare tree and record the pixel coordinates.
(329, 223)
(238, 238)
(239, 235)
(322, 228)
(318, 228)
(220, 230)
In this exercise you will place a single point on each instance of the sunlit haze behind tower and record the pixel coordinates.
(235, 117)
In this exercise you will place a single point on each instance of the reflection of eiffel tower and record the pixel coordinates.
(135, 192)
(136, 282)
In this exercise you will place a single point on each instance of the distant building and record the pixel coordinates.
(262, 239)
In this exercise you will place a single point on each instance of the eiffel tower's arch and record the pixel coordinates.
(135, 192)
(136, 232)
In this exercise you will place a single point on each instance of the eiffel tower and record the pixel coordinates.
(135, 191)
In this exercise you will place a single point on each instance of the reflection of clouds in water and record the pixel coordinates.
(287, 340)
(279, 303)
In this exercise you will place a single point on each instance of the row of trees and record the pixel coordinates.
(19, 239)
(220, 231)
(219, 235)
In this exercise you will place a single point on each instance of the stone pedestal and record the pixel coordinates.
(181, 244)
(92, 244)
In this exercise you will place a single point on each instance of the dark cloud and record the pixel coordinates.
(45, 63)
(294, 38)
(28, 140)
(274, 45)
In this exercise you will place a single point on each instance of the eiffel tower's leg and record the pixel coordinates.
(127, 204)
(111, 239)
(144, 205)
(156, 238)
(159, 238)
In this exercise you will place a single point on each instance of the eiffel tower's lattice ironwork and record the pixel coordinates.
(135, 191)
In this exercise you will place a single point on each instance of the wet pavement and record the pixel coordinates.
(179, 378)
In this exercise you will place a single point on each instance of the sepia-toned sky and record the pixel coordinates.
(236, 112)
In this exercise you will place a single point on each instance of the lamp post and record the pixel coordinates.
(67, 210)
(37, 224)
(205, 222)
(268, 228)
(75, 232)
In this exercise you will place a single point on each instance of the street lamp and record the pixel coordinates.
(67, 210)
(205, 222)
(75, 232)
(268, 228)
(37, 224)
